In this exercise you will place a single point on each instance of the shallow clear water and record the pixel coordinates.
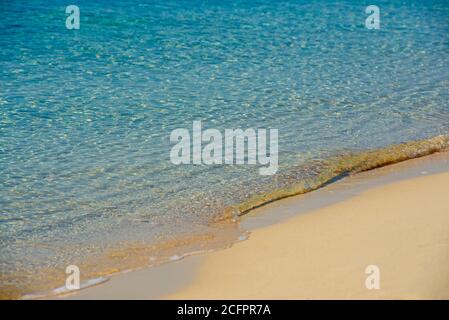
(86, 115)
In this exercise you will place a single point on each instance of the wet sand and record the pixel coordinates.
(318, 246)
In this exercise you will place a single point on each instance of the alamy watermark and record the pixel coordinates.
(73, 20)
(72, 282)
(373, 20)
(219, 149)
(372, 281)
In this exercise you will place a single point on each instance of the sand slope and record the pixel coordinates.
(403, 228)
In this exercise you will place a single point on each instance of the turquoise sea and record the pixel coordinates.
(86, 115)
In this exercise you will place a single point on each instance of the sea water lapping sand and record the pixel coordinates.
(221, 231)
(324, 172)
(396, 234)
(320, 245)
(86, 116)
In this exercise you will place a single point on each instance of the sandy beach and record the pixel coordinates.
(395, 218)
(402, 228)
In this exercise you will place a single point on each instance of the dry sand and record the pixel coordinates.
(403, 228)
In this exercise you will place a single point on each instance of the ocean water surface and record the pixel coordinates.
(86, 115)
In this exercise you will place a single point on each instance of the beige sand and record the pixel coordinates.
(403, 228)
(318, 245)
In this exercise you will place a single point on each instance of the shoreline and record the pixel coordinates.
(172, 279)
(225, 230)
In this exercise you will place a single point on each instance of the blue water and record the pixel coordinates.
(86, 115)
